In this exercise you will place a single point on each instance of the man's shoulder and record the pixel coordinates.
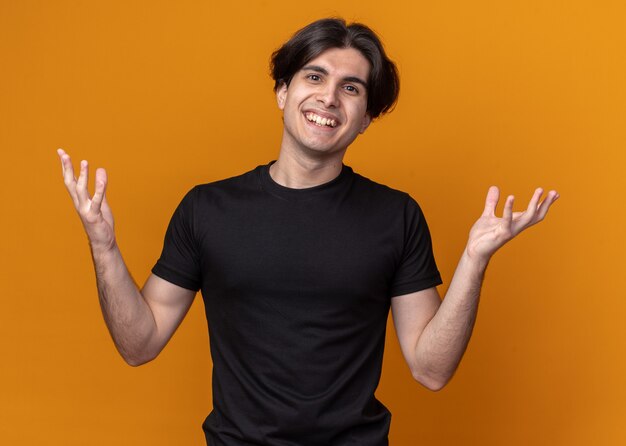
(219, 192)
(246, 180)
(379, 190)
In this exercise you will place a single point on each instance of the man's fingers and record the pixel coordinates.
(507, 215)
(545, 204)
(528, 217)
(81, 184)
(536, 211)
(533, 204)
(79, 188)
(68, 175)
(68, 169)
(493, 195)
(99, 194)
(62, 154)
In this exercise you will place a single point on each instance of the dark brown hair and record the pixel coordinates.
(383, 84)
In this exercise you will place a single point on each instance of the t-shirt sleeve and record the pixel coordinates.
(418, 270)
(180, 261)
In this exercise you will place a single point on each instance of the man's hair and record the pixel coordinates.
(383, 84)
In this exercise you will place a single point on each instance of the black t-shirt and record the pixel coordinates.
(297, 286)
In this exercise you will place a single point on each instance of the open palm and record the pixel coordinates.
(490, 232)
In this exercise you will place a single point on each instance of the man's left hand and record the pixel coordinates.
(489, 233)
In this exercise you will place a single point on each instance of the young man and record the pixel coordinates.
(299, 262)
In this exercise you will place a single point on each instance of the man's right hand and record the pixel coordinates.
(94, 212)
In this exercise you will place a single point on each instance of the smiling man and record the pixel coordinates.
(299, 262)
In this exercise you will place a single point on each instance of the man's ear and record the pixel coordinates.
(367, 120)
(281, 95)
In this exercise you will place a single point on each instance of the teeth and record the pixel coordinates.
(321, 121)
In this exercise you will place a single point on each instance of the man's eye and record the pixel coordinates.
(313, 77)
(351, 88)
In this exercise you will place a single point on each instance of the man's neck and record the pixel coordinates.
(300, 172)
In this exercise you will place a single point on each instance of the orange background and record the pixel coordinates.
(166, 95)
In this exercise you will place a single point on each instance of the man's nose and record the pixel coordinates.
(328, 95)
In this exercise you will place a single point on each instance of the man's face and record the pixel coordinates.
(325, 105)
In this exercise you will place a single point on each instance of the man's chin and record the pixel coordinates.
(325, 151)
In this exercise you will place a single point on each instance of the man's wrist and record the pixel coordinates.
(103, 251)
(476, 264)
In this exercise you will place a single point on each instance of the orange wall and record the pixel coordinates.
(170, 94)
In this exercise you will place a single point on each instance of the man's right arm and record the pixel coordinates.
(141, 322)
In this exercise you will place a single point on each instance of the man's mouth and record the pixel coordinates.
(319, 120)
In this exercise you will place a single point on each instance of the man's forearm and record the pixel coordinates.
(127, 315)
(441, 345)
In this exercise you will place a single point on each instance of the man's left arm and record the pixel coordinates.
(434, 334)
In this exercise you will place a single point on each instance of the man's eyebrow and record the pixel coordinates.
(324, 71)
